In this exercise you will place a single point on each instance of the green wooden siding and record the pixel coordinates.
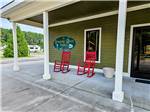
(108, 39)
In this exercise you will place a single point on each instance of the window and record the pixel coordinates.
(31, 47)
(92, 42)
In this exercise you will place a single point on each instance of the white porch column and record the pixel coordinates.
(46, 46)
(118, 94)
(15, 67)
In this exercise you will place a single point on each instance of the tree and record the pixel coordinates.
(34, 38)
(5, 35)
(8, 51)
(22, 45)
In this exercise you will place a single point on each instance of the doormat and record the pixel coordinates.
(143, 81)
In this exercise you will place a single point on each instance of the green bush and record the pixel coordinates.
(23, 50)
(8, 51)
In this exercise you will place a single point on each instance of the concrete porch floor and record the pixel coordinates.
(95, 91)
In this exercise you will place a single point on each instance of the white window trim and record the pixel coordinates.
(100, 34)
(131, 42)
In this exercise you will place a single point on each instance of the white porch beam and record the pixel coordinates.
(101, 15)
(32, 23)
(46, 46)
(118, 94)
(15, 67)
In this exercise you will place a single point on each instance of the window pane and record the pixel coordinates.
(92, 41)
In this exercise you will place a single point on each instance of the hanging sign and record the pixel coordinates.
(65, 43)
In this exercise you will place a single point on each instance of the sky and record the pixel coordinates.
(4, 23)
(4, 2)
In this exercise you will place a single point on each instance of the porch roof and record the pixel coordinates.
(81, 9)
(31, 12)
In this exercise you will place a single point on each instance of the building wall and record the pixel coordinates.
(108, 39)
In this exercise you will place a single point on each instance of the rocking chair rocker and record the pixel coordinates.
(63, 65)
(88, 65)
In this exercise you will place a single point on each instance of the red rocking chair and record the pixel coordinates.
(64, 64)
(88, 65)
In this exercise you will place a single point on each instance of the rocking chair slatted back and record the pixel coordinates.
(66, 57)
(91, 56)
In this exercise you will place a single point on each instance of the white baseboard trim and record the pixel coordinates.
(126, 74)
(51, 63)
(96, 70)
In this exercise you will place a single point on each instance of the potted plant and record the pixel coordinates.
(108, 72)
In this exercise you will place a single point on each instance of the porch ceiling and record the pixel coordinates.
(82, 9)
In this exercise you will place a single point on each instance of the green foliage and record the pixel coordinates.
(22, 45)
(5, 35)
(23, 39)
(34, 38)
(8, 52)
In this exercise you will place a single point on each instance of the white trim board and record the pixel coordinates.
(13, 4)
(131, 42)
(100, 34)
(135, 8)
(75, 67)
(85, 18)
(96, 69)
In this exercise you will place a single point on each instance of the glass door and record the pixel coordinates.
(140, 67)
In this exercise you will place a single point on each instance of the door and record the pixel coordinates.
(140, 66)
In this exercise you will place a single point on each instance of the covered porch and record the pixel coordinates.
(52, 14)
(93, 92)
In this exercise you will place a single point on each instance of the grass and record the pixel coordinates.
(36, 54)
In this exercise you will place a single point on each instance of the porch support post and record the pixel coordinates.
(15, 67)
(46, 46)
(118, 94)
